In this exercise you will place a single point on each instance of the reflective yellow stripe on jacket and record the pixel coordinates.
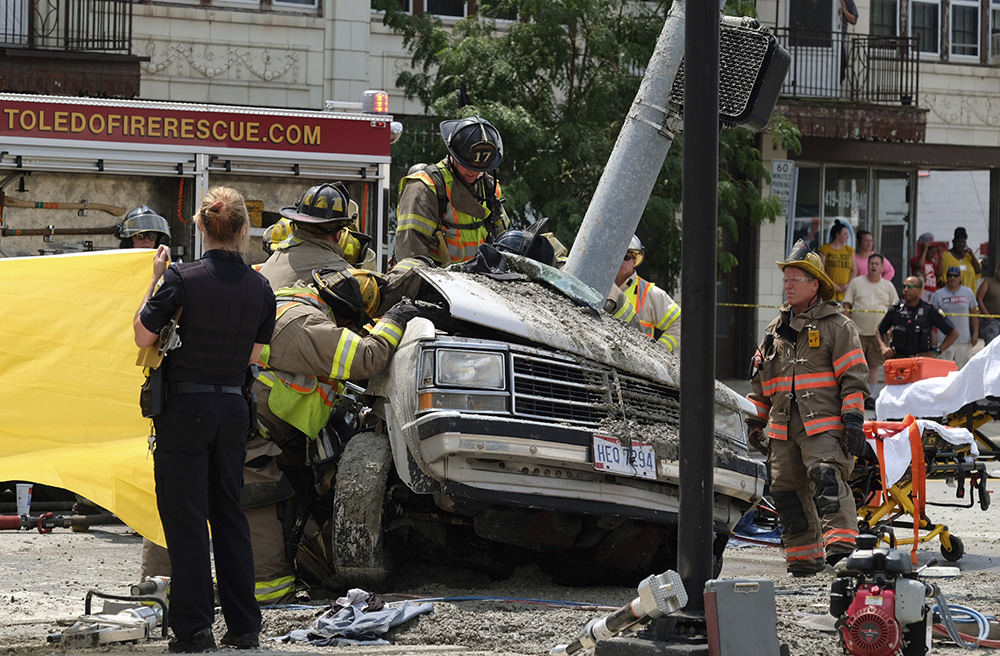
(302, 400)
(673, 313)
(388, 331)
(463, 233)
(637, 293)
(626, 312)
(270, 592)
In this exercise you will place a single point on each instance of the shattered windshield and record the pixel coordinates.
(570, 286)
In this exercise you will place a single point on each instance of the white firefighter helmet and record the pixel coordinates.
(636, 250)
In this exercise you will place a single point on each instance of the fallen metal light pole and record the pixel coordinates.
(754, 71)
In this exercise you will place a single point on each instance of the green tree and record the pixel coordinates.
(558, 83)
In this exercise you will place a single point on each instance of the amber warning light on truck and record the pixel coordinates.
(145, 124)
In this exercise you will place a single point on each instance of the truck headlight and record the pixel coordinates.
(478, 369)
(729, 423)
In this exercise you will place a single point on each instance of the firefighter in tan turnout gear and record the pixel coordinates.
(319, 342)
(659, 315)
(809, 385)
(446, 210)
(316, 238)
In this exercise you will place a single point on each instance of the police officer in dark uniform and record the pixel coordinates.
(911, 321)
(228, 317)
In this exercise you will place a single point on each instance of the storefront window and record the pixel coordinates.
(892, 215)
(845, 197)
(807, 221)
(876, 200)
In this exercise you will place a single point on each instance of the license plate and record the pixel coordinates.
(611, 457)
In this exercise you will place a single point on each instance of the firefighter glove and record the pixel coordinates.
(758, 440)
(401, 313)
(853, 438)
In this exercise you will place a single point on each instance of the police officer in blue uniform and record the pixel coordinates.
(227, 318)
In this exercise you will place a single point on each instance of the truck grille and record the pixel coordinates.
(586, 393)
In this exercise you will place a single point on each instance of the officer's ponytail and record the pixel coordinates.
(223, 216)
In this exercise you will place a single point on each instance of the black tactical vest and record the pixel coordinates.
(912, 329)
(225, 303)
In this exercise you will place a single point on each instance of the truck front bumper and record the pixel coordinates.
(551, 466)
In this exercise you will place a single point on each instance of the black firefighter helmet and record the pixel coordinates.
(327, 205)
(529, 242)
(140, 220)
(473, 142)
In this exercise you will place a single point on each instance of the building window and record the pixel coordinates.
(995, 28)
(403, 5)
(305, 7)
(446, 8)
(925, 23)
(884, 15)
(965, 28)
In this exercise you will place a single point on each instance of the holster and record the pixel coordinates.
(251, 400)
(153, 393)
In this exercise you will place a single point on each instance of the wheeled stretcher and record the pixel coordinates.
(958, 448)
(890, 491)
(973, 416)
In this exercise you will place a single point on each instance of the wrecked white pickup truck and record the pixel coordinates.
(504, 427)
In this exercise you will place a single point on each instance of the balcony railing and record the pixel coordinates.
(859, 67)
(68, 25)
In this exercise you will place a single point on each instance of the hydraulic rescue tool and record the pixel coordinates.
(134, 617)
(659, 595)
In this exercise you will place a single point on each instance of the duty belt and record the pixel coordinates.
(201, 388)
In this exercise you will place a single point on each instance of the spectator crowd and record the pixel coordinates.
(944, 298)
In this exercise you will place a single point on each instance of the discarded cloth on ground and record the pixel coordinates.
(364, 601)
(937, 397)
(70, 413)
(352, 626)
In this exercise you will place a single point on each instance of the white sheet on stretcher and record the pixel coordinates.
(897, 447)
(936, 397)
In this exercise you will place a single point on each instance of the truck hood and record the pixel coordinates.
(534, 312)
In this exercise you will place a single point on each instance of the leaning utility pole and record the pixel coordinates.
(633, 167)
(752, 85)
(614, 212)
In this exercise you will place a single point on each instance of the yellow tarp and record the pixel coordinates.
(69, 386)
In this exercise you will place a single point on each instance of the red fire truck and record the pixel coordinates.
(70, 167)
